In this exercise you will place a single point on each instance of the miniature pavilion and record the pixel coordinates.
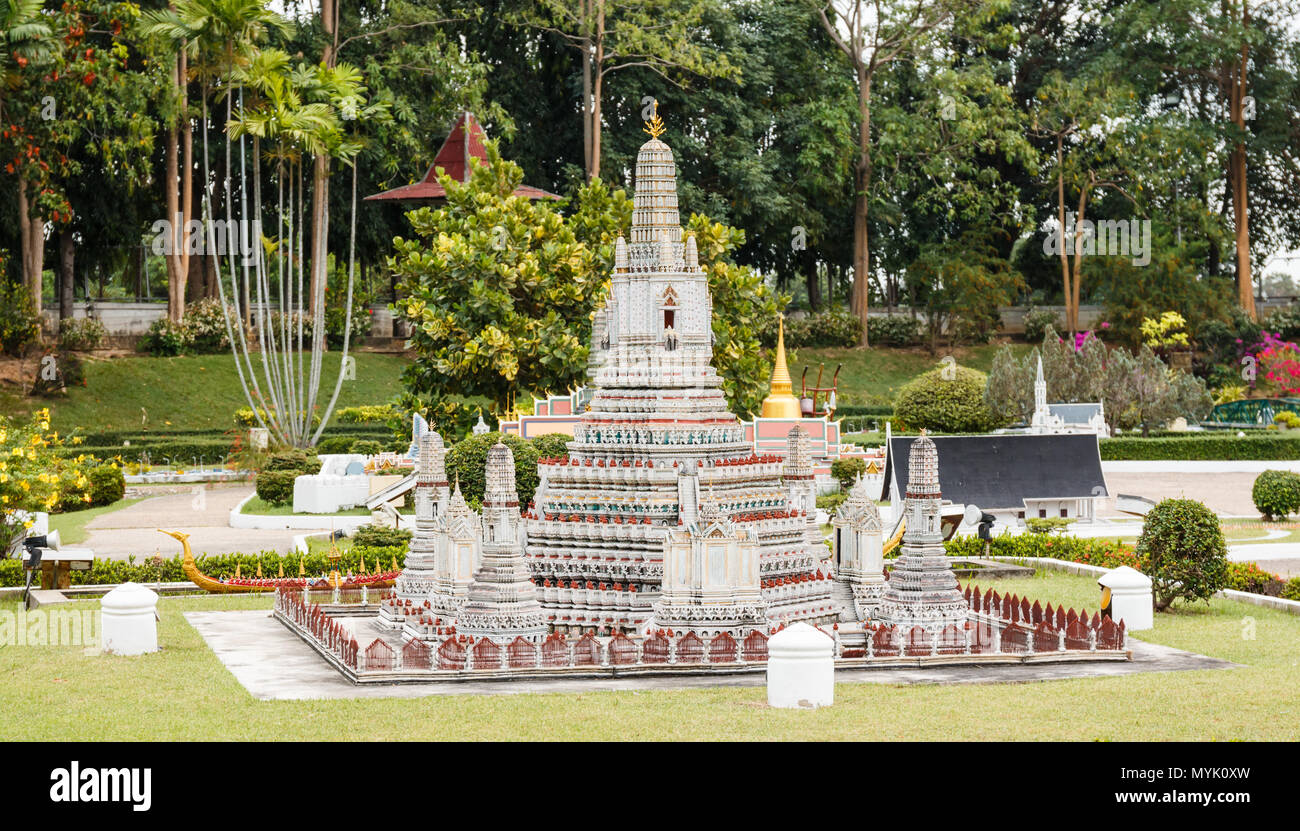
(466, 141)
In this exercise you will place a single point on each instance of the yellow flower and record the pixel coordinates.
(25, 485)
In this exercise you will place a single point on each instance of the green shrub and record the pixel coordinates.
(1249, 577)
(294, 459)
(1291, 591)
(244, 417)
(81, 333)
(368, 414)
(1047, 525)
(1284, 322)
(1276, 493)
(367, 447)
(276, 486)
(1201, 447)
(376, 536)
(552, 444)
(19, 324)
(335, 444)
(467, 458)
(1037, 322)
(949, 399)
(165, 339)
(107, 484)
(845, 471)
(1183, 546)
(1097, 552)
(894, 330)
(205, 323)
(831, 502)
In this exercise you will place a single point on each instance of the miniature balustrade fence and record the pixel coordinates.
(999, 625)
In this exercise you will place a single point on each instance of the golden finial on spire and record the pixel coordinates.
(780, 402)
(654, 125)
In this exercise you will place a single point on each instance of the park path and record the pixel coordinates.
(1225, 493)
(203, 511)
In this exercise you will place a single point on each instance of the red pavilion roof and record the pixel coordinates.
(465, 142)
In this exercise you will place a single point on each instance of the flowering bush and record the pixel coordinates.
(1169, 331)
(1277, 364)
(32, 476)
(81, 332)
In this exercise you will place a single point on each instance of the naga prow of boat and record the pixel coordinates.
(264, 584)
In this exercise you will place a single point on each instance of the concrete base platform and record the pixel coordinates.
(275, 664)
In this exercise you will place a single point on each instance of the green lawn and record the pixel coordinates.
(873, 376)
(72, 526)
(191, 393)
(184, 692)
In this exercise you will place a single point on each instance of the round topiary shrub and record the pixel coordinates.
(467, 459)
(107, 484)
(377, 536)
(335, 444)
(295, 459)
(1276, 493)
(845, 471)
(949, 399)
(276, 486)
(1183, 547)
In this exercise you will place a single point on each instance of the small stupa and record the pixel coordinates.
(502, 601)
(922, 589)
(780, 401)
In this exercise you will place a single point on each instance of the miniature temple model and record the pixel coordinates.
(1088, 417)
(501, 603)
(858, 546)
(922, 589)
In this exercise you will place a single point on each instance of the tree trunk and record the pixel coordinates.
(1078, 262)
(598, 83)
(67, 273)
(179, 190)
(1240, 210)
(32, 236)
(1060, 218)
(813, 279)
(320, 178)
(861, 281)
(585, 11)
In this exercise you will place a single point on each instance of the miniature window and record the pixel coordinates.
(670, 317)
(1065, 512)
(1042, 513)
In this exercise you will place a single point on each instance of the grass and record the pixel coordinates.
(72, 526)
(184, 692)
(198, 392)
(873, 376)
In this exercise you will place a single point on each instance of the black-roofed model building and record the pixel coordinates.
(1014, 476)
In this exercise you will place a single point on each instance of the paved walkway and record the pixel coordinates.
(274, 664)
(202, 511)
(1227, 493)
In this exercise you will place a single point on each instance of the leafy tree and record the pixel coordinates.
(961, 284)
(466, 464)
(1009, 390)
(1182, 544)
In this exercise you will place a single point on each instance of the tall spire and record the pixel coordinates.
(780, 401)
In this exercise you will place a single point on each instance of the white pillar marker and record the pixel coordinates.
(1127, 593)
(129, 623)
(800, 668)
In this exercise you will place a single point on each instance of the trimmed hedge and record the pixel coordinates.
(378, 536)
(1200, 448)
(168, 570)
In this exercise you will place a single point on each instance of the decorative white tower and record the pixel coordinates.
(418, 578)
(502, 603)
(922, 589)
(858, 549)
(1043, 421)
(711, 578)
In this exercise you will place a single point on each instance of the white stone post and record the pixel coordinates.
(129, 624)
(800, 668)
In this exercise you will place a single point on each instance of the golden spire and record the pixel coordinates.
(780, 401)
(654, 125)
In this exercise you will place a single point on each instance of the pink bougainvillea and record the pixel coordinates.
(1277, 364)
